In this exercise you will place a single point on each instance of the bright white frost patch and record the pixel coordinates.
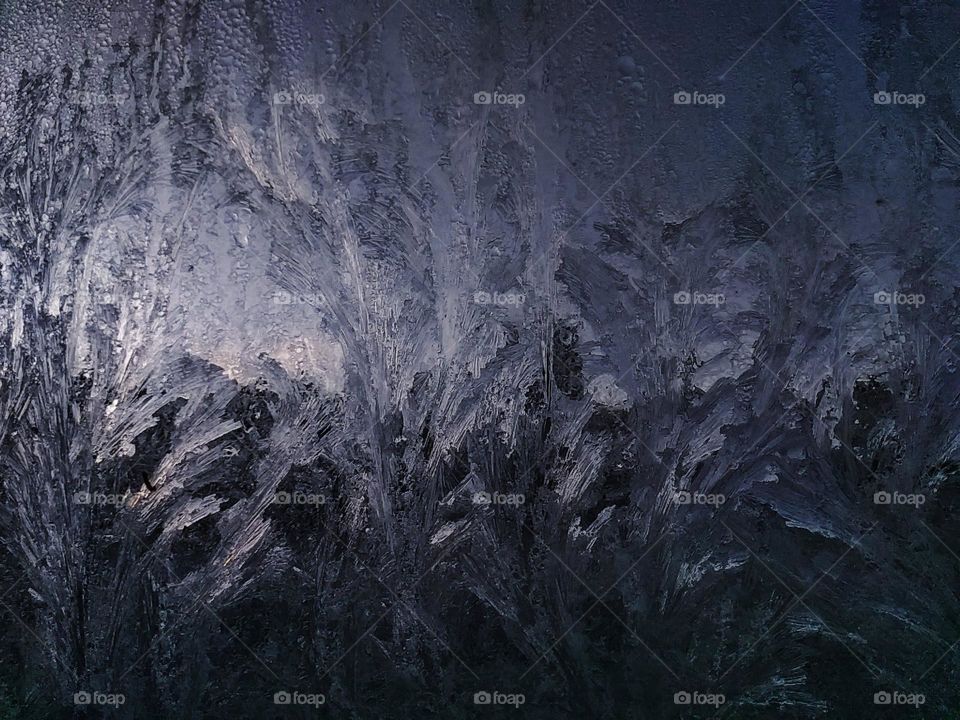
(605, 391)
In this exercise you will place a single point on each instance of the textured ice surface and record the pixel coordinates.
(421, 359)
